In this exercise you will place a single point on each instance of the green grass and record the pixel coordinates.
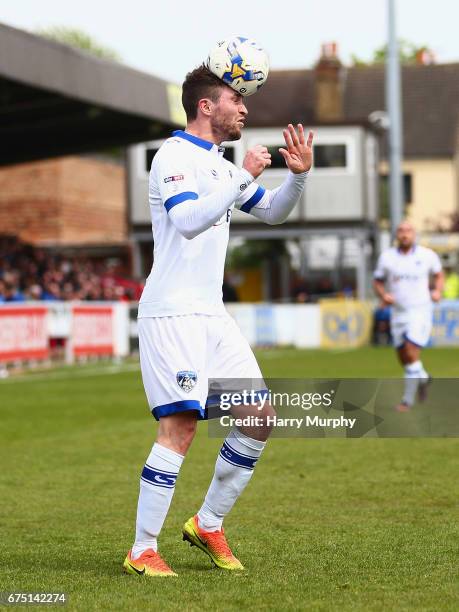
(325, 524)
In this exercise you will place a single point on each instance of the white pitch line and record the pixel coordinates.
(73, 374)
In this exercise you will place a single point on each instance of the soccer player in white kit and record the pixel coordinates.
(402, 280)
(186, 336)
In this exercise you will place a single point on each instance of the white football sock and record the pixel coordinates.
(233, 470)
(413, 373)
(157, 484)
(424, 373)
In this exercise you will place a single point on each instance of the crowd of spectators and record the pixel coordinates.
(31, 273)
(311, 290)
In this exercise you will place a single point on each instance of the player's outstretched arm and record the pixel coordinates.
(273, 207)
(192, 217)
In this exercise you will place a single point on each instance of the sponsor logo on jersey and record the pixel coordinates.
(407, 277)
(214, 174)
(176, 177)
(243, 186)
(187, 379)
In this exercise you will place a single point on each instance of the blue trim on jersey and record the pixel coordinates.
(178, 198)
(180, 406)
(259, 193)
(231, 456)
(406, 339)
(410, 252)
(205, 144)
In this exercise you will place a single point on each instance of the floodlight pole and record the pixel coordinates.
(394, 109)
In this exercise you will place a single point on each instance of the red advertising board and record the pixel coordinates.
(23, 333)
(92, 330)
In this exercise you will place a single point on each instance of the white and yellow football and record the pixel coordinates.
(241, 63)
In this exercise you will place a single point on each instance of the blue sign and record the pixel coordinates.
(445, 330)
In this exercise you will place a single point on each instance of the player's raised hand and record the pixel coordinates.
(298, 155)
(256, 160)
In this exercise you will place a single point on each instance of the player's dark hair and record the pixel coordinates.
(199, 83)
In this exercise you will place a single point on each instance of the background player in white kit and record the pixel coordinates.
(402, 280)
(185, 335)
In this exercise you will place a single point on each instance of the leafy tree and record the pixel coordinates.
(408, 53)
(80, 40)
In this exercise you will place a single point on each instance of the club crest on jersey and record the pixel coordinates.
(187, 379)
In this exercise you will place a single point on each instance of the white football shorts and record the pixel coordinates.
(180, 354)
(414, 325)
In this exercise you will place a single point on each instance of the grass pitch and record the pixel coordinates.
(325, 524)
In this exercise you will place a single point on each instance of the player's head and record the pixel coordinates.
(406, 235)
(206, 98)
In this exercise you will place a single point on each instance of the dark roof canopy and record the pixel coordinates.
(56, 100)
(430, 103)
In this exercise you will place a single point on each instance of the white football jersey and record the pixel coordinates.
(187, 275)
(407, 275)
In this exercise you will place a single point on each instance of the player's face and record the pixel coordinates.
(405, 236)
(228, 116)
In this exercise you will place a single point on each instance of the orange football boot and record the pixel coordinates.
(148, 564)
(213, 543)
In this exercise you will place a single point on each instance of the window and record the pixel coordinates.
(149, 154)
(330, 156)
(384, 193)
(277, 161)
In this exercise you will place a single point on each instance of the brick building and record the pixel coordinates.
(68, 201)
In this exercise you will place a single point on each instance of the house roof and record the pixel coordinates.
(430, 103)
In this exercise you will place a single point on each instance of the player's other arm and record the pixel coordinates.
(380, 290)
(193, 215)
(438, 278)
(274, 206)
(379, 284)
(438, 286)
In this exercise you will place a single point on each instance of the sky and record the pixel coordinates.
(170, 37)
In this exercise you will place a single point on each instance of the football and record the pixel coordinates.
(241, 63)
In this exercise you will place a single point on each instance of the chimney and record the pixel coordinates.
(328, 94)
(425, 57)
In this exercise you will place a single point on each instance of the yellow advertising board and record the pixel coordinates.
(345, 323)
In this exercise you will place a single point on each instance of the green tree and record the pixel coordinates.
(408, 53)
(80, 40)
